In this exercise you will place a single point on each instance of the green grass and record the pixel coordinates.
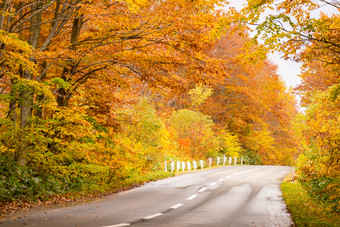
(140, 180)
(11, 202)
(305, 210)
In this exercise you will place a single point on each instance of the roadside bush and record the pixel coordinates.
(325, 189)
(23, 183)
(250, 157)
(307, 210)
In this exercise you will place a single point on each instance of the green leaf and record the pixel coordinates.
(60, 82)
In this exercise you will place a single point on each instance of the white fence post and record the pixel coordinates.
(194, 164)
(173, 164)
(183, 165)
(189, 166)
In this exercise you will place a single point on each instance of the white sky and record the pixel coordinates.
(287, 69)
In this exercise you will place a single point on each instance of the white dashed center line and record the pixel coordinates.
(202, 189)
(191, 197)
(152, 216)
(181, 204)
(118, 225)
(176, 206)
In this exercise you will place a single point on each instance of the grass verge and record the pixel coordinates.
(305, 210)
(86, 193)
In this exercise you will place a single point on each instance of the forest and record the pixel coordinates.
(96, 94)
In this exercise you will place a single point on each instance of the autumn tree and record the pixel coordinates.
(72, 70)
(314, 41)
(252, 102)
(82, 45)
(194, 132)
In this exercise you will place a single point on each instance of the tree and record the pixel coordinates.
(86, 45)
(252, 100)
(314, 41)
(289, 26)
(319, 164)
(194, 132)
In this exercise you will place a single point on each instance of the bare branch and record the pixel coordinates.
(335, 4)
(32, 14)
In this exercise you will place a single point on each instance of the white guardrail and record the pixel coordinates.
(182, 165)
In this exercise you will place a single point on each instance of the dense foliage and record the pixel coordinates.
(96, 93)
(293, 28)
(306, 210)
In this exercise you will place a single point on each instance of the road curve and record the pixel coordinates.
(225, 196)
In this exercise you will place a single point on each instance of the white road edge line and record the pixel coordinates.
(118, 225)
(152, 216)
(176, 206)
(191, 197)
(202, 189)
(213, 183)
(222, 179)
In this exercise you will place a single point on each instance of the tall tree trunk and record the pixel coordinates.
(27, 95)
(63, 95)
(40, 98)
(3, 8)
(13, 103)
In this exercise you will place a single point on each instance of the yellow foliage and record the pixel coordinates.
(135, 5)
(199, 94)
(229, 144)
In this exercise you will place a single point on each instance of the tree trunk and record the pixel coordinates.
(40, 98)
(27, 95)
(26, 115)
(63, 95)
(3, 7)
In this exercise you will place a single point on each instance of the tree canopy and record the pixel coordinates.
(95, 94)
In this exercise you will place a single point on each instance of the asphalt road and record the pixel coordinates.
(225, 196)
